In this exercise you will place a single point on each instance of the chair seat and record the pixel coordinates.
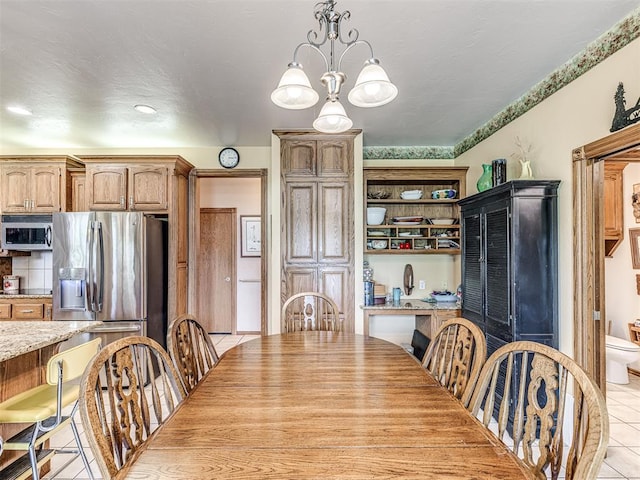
(36, 404)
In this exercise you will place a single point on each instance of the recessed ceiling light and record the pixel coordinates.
(145, 109)
(19, 110)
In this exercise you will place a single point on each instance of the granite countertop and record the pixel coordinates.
(27, 293)
(19, 337)
(414, 304)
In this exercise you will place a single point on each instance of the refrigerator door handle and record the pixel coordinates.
(91, 299)
(116, 329)
(100, 286)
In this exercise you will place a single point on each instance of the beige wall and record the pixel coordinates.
(575, 115)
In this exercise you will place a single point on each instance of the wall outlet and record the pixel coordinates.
(421, 285)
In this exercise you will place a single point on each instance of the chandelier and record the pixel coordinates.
(372, 88)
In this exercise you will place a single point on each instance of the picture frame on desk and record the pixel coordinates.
(250, 236)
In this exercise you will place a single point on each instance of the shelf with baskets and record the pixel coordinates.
(405, 211)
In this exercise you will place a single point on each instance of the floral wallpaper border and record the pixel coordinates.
(610, 42)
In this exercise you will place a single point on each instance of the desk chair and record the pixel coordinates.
(129, 389)
(42, 407)
(310, 311)
(191, 350)
(528, 388)
(455, 356)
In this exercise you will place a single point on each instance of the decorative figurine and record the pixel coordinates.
(623, 117)
(523, 157)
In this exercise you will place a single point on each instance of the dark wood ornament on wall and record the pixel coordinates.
(623, 117)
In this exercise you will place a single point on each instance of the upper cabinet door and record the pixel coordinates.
(335, 158)
(15, 189)
(148, 187)
(298, 157)
(45, 189)
(107, 187)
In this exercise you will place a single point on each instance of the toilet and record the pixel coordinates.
(619, 354)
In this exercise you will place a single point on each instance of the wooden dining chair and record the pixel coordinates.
(455, 357)
(191, 350)
(544, 402)
(310, 311)
(130, 388)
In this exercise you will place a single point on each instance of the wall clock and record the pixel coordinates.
(229, 157)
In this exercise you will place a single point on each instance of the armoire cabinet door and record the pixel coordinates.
(334, 158)
(299, 157)
(301, 212)
(472, 269)
(498, 273)
(334, 222)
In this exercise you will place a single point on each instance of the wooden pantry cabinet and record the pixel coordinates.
(317, 233)
(413, 226)
(36, 184)
(157, 184)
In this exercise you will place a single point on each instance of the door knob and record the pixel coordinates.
(227, 279)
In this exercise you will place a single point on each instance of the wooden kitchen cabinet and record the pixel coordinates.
(317, 235)
(135, 187)
(157, 184)
(613, 206)
(15, 308)
(36, 184)
(411, 237)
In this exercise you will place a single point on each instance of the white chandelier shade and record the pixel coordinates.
(294, 90)
(332, 118)
(372, 88)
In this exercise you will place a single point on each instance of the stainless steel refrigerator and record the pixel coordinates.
(112, 267)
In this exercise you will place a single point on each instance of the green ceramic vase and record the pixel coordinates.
(485, 181)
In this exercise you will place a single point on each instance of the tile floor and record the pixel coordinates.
(623, 454)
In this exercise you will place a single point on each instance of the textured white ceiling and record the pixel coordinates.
(209, 66)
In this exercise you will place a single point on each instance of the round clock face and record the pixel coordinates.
(229, 157)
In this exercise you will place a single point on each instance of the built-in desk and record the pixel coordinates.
(429, 316)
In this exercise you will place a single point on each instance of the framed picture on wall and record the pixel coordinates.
(250, 238)
(634, 239)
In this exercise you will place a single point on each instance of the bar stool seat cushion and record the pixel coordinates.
(36, 404)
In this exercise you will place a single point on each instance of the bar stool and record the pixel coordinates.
(42, 407)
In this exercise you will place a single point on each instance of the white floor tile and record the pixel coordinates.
(623, 460)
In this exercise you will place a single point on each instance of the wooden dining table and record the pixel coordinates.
(319, 405)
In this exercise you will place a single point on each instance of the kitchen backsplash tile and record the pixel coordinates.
(34, 271)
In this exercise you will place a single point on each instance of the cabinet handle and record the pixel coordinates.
(131, 201)
(26, 311)
(122, 200)
(33, 204)
(26, 204)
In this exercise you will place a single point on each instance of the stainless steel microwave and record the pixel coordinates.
(26, 232)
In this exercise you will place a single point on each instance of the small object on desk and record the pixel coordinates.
(444, 296)
(396, 296)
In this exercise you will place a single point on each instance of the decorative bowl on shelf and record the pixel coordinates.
(375, 215)
(379, 244)
(411, 195)
(442, 194)
(378, 195)
(443, 221)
